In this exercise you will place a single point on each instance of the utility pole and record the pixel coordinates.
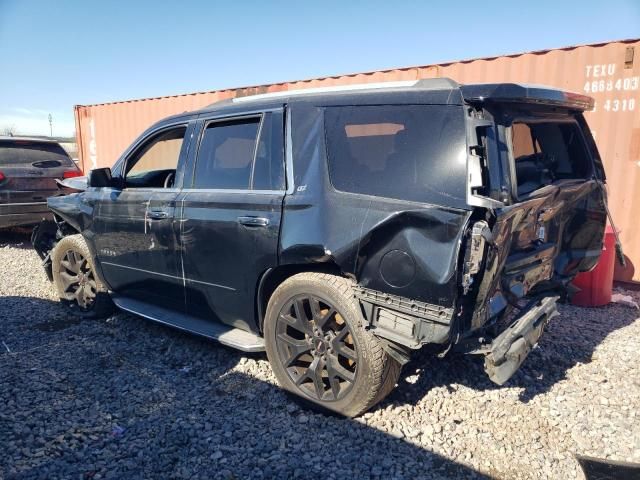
(50, 125)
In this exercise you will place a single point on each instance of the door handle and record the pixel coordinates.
(253, 221)
(157, 214)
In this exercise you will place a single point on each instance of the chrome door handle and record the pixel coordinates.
(157, 214)
(253, 221)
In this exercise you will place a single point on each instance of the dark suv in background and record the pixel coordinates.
(29, 170)
(342, 229)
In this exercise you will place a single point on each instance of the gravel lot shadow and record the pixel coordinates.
(18, 237)
(571, 339)
(126, 398)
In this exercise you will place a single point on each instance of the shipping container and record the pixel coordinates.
(609, 72)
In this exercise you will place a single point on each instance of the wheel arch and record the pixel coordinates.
(273, 277)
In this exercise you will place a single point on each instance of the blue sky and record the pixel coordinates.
(58, 54)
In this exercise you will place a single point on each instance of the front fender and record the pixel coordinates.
(75, 209)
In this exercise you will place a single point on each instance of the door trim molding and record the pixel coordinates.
(183, 279)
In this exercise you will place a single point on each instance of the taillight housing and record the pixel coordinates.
(2, 177)
(72, 173)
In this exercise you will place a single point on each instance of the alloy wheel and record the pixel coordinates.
(316, 348)
(77, 279)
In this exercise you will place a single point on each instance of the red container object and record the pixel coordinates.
(595, 286)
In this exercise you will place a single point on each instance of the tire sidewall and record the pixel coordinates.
(298, 285)
(102, 302)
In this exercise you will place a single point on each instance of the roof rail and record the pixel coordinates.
(429, 83)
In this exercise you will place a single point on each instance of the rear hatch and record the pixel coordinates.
(537, 182)
(28, 173)
(539, 189)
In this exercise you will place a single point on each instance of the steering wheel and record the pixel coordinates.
(168, 182)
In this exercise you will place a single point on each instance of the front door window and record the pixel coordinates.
(155, 164)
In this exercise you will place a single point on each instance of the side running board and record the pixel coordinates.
(226, 335)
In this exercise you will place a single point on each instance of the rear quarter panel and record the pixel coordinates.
(386, 245)
(399, 247)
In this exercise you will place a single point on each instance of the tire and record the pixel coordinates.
(76, 282)
(331, 360)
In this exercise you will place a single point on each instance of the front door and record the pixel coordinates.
(231, 215)
(136, 239)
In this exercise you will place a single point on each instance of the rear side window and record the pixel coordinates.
(548, 151)
(24, 152)
(231, 157)
(226, 154)
(268, 169)
(394, 151)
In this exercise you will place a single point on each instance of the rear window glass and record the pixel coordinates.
(548, 151)
(22, 152)
(226, 155)
(394, 151)
(268, 168)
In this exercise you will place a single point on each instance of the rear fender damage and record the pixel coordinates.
(525, 263)
(44, 238)
(70, 215)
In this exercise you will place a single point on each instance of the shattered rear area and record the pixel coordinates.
(539, 217)
(521, 257)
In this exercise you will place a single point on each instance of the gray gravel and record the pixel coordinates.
(125, 398)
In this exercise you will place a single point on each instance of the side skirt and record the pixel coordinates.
(226, 335)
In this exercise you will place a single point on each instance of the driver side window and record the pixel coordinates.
(154, 164)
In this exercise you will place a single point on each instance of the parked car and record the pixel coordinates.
(342, 229)
(29, 168)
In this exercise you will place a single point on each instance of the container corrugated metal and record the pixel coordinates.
(609, 72)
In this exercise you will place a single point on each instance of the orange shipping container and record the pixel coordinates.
(609, 72)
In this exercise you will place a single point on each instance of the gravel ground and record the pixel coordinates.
(125, 398)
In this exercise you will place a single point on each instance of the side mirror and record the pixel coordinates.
(101, 177)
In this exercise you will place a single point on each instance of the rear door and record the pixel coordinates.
(231, 215)
(28, 173)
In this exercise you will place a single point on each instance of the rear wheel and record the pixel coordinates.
(76, 281)
(319, 349)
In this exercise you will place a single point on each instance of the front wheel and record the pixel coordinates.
(319, 349)
(76, 281)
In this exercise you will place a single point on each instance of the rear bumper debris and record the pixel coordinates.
(510, 348)
(31, 215)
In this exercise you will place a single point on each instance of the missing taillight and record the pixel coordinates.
(474, 253)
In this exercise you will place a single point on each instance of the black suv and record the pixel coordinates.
(30, 169)
(340, 229)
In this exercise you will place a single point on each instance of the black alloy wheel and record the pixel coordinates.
(316, 347)
(77, 279)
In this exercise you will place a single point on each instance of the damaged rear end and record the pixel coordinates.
(537, 186)
(71, 214)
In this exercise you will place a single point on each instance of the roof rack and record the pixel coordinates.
(430, 84)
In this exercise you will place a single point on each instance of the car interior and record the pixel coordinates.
(154, 165)
(545, 152)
